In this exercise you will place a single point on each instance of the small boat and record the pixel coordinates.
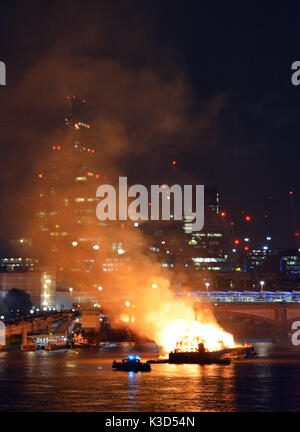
(131, 364)
(57, 344)
(80, 342)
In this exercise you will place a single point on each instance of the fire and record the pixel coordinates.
(180, 336)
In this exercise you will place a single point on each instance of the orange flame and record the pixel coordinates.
(181, 335)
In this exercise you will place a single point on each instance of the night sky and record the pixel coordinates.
(217, 76)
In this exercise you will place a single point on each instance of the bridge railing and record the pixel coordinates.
(248, 296)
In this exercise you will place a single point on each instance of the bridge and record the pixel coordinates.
(246, 296)
(280, 310)
(38, 325)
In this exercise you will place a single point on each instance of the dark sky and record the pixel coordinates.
(224, 70)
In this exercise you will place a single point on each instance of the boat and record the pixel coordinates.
(201, 356)
(131, 364)
(80, 342)
(57, 344)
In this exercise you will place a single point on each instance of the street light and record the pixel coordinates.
(262, 285)
(207, 284)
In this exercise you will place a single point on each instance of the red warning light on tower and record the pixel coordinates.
(174, 162)
(246, 248)
(248, 218)
(236, 241)
(223, 213)
(291, 192)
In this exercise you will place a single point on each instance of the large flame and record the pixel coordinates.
(177, 329)
(169, 320)
(180, 336)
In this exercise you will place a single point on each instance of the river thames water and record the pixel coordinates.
(84, 381)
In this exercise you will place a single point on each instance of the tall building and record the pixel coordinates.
(69, 235)
(206, 249)
(66, 187)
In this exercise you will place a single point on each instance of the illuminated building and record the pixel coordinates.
(255, 260)
(40, 285)
(69, 235)
(18, 264)
(66, 192)
(289, 263)
(205, 249)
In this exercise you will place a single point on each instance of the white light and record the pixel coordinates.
(154, 285)
(74, 243)
(99, 288)
(2, 317)
(127, 303)
(31, 311)
(48, 281)
(96, 247)
(246, 239)
(71, 289)
(136, 224)
(233, 250)
(265, 247)
(269, 238)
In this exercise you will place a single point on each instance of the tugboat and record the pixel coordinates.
(131, 364)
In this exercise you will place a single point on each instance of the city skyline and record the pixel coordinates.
(150, 199)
